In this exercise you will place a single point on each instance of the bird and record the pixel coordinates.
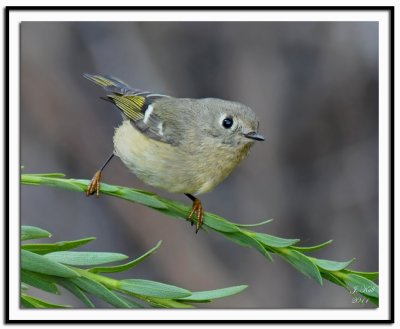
(181, 145)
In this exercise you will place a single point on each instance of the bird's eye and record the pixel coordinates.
(227, 122)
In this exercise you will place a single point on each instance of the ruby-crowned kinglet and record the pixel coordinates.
(182, 145)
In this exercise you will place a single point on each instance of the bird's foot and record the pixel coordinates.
(197, 208)
(94, 186)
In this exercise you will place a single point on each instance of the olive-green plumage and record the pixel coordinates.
(179, 144)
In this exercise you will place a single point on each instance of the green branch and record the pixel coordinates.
(356, 282)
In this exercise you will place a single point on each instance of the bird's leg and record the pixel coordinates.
(196, 208)
(94, 185)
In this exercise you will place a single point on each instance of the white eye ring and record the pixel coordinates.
(227, 122)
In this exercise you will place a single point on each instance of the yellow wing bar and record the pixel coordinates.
(132, 106)
(131, 102)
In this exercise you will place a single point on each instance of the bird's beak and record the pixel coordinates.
(254, 135)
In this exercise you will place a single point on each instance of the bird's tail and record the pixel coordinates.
(111, 84)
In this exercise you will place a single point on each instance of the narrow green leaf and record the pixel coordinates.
(219, 223)
(52, 175)
(312, 248)
(129, 301)
(100, 291)
(153, 289)
(84, 257)
(373, 300)
(126, 266)
(32, 232)
(213, 294)
(240, 239)
(273, 241)
(39, 303)
(174, 213)
(37, 263)
(361, 285)
(167, 303)
(174, 209)
(247, 241)
(334, 279)
(302, 263)
(254, 225)
(76, 291)
(331, 265)
(31, 183)
(68, 184)
(39, 281)
(367, 275)
(24, 286)
(139, 197)
(45, 248)
(26, 303)
(189, 301)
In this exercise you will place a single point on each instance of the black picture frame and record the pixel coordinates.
(8, 10)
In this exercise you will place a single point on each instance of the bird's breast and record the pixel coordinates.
(184, 168)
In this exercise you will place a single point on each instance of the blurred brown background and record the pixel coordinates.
(314, 87)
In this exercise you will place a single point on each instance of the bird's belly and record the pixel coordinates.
(168, 167)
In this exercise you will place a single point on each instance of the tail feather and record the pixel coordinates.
(111, 84)
(136, 105)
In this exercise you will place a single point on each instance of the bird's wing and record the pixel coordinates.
(135, 104)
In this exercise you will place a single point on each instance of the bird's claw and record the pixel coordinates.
(94, 185)
(197, 208)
